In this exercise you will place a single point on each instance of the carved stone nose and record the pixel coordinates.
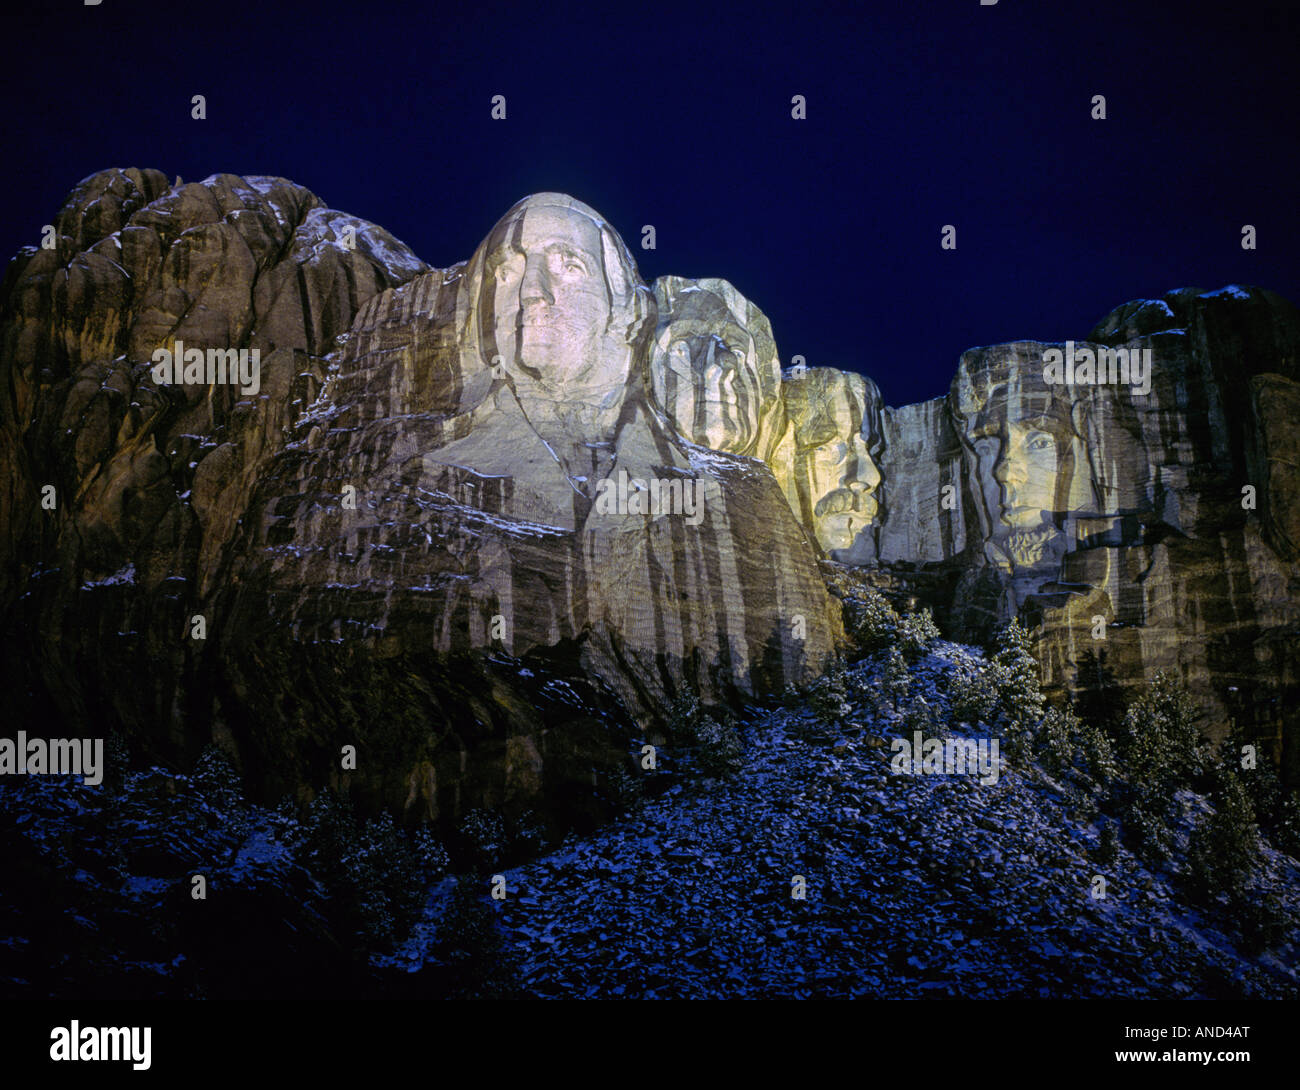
(535, 286)
(1008, 471)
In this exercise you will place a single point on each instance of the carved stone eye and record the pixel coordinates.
(503, 263)
(569, 263)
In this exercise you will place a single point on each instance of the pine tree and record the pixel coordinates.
(1224, 848)
(1016, 675)
(916, 632)
(872, 621)
(898, 678)
(829, 695)
(973, 694)
(1161, 747)
(1161, 753)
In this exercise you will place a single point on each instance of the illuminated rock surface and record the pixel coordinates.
(1163, 521)
(384, 537)
(429, 530)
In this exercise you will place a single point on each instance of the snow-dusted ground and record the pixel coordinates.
(916, 886)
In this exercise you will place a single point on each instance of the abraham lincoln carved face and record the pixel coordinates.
(1025, 447)
(1029, 446)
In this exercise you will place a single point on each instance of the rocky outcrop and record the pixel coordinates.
(483, 523)
(122, 494)
(443, 524)
(713, 372)
(458, 487)
(834, 477)
(1142, 524)
(1139, 510)
(924, 521)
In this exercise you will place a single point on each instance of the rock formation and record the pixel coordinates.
(447, 528)
(714, 371)
(715, 375)
(1139, 530)
(832, 483)
(1143, 517)
(480, 483)
(484, 522)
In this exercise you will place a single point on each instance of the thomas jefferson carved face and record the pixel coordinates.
(704, 378)
(555, 289)
(714, 370)
(834, 474)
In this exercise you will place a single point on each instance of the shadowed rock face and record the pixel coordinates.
(1274, 459)
(834, 477)
(401, 541)
(922, 462)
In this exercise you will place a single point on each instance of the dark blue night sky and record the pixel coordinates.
(919, 115)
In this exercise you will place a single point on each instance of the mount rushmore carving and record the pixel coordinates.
(411, 534)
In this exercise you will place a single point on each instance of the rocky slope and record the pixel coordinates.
(915, 886)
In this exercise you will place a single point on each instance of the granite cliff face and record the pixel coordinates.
(1136, 504)
(484, 522)
(1141, 525)
(714, 373)
(445, 524)
(515, 490)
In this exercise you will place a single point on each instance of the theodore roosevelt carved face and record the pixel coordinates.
(834, 476)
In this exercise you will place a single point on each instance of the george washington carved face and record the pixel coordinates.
(557, 289)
